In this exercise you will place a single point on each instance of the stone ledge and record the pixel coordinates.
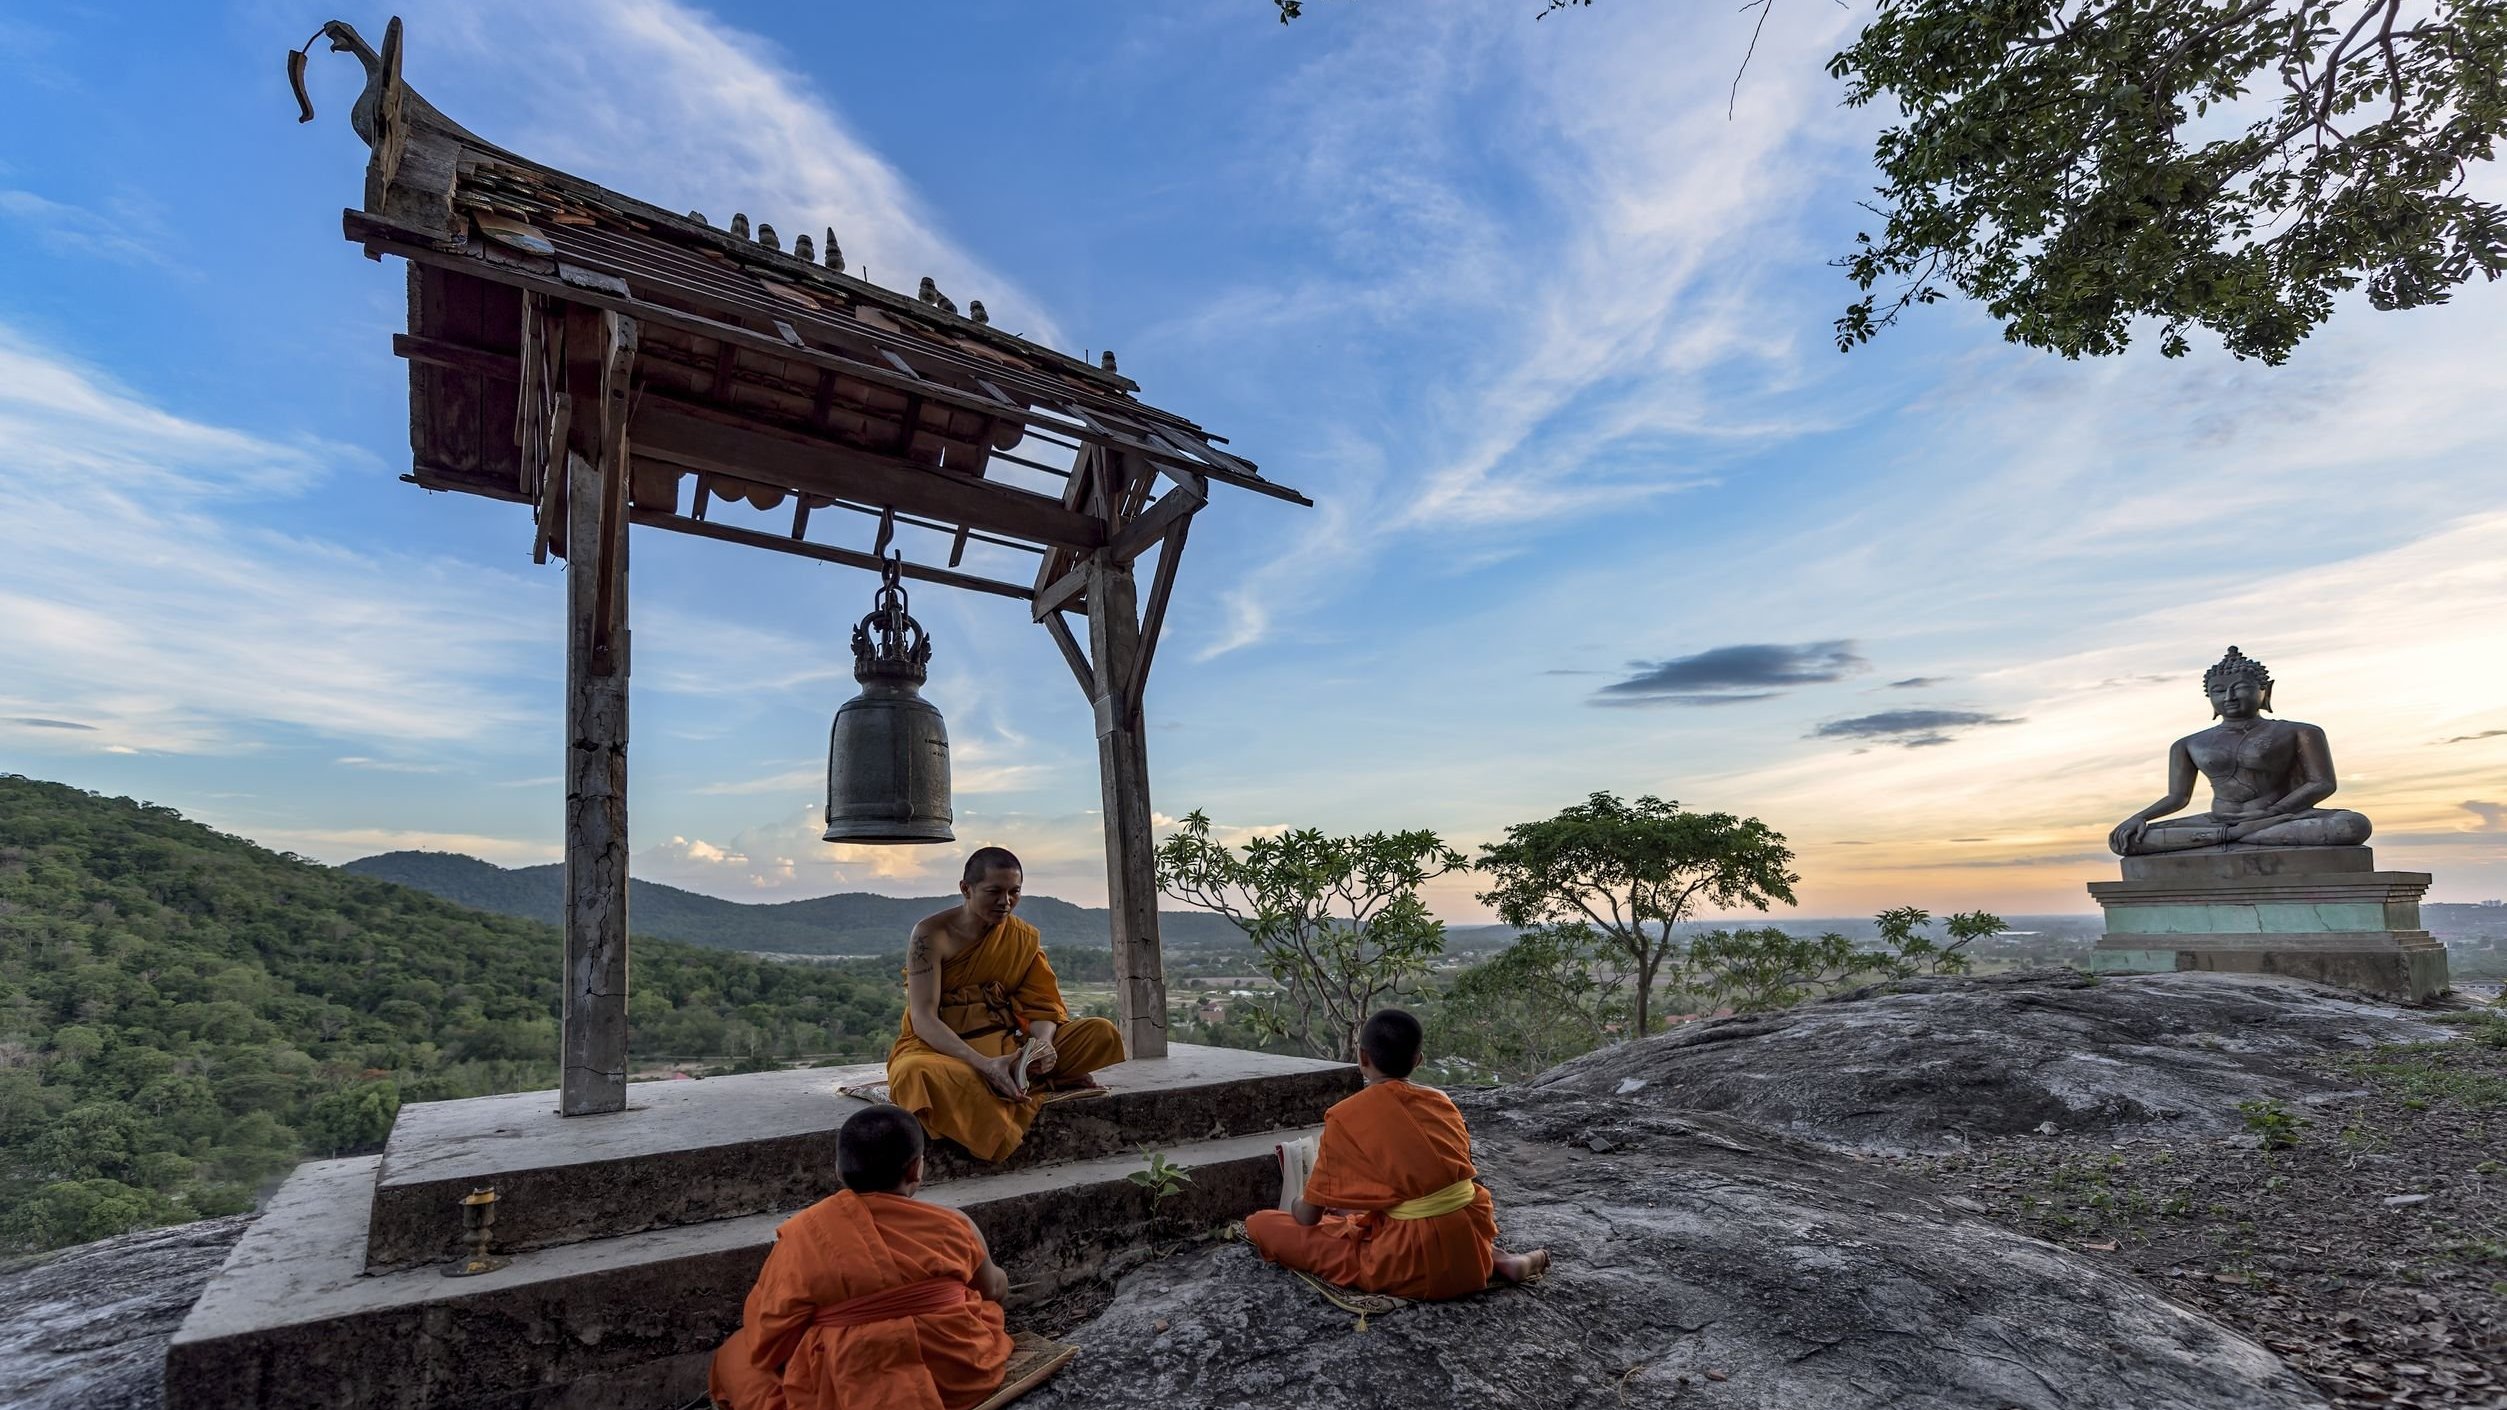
(692, 1152)
(2237, 863)
(293, 1321)
(2363, 942)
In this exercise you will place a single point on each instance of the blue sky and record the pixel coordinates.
(1542, 330)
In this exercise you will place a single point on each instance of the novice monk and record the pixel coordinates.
(976, 983)
(870, 1299)
(1391, 1207)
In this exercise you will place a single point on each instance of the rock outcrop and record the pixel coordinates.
(87, 1327)
(1920, 1065)
(1721, 1239)
(1723, 1235)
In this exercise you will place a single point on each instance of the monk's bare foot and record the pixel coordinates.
(1521, 1267)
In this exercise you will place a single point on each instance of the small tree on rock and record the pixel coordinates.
(1633, 872)
(1336, 921)
(1757, 971)
(1910, 951)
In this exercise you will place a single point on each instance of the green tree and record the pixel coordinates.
(1633, 872)
(1336, 921)
(1911, 951)
(1535, 1004)
(348, 1118)
(1757, 970)
(2234, 165)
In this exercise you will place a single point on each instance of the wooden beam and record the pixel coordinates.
(1153, 617)
(593, 1002)
(1151, 527)
(824, 553)
(674, 431)
(1078, 659)
(1059, 594)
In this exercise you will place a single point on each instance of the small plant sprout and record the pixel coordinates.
(2274, 1124)
(1161, 1177)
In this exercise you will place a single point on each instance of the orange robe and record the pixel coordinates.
(988, 996)
(849, 1246)
(1392, 1143)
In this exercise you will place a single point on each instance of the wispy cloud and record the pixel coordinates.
(38, 722)
(2493, 816)
(716, 120)
(1918, 682)
(131, 235)
(206, 630)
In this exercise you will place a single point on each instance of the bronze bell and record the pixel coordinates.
(888, 756)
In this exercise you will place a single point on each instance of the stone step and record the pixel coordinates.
(294, 1321)
(698, 1151)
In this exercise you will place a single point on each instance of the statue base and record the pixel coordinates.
(2324, 914)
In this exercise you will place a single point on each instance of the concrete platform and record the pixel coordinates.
(692, 1152)
(295, 1321)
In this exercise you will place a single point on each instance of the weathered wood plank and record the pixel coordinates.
(1059, 594)
(1153, 618)
(1149, 529)
(824, 553)
(1077, 659)
(676, 432)
(593, 1017)
(1123, 770)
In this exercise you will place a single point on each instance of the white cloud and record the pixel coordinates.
(131, 235)
(713, 120)
(132, 602)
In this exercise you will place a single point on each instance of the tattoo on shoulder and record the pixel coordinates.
(919, 957)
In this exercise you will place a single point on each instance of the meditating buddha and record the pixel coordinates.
(2267, 776)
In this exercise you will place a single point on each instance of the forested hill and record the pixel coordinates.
(855, 923)
(184, 1015)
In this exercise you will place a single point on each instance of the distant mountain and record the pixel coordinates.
(854, 923)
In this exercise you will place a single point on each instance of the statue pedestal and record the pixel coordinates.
(2319, 913)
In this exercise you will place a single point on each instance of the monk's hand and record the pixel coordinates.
(1041, 1055)
(1000, 1074)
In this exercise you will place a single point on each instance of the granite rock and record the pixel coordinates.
(88, 1326)
(1921, 1065)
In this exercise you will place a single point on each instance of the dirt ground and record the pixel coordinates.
(2364, 1238)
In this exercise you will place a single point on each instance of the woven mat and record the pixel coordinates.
(1033, 1361)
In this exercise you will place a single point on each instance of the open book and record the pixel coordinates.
(1296, 1163)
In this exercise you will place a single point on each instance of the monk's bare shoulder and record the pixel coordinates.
(927, 946)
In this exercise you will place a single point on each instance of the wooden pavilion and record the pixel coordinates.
(607, 363)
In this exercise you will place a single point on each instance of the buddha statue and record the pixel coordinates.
(2267, 776)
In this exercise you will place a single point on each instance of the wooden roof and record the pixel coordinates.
(747, 373)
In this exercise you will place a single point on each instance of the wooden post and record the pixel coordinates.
(594, 1045)
(600, 356)
(1114, 643)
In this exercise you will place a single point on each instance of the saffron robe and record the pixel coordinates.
(850, 1246)
(988, 996)
(1392, 1143)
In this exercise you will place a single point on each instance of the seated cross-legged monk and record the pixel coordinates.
(870, 1298)
(1390, 1206)
(979, 996)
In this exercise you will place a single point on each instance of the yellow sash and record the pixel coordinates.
(1457, 1195)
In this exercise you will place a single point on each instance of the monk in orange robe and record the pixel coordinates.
(870, 1299)
(979, 999)
(1390, 1206)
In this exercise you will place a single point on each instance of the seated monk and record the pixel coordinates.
(979, 996)
(1390, 1206)
(870, 1299)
